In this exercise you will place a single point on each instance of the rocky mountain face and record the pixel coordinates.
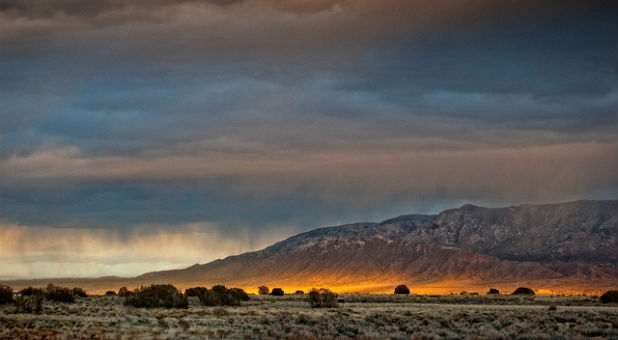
(561, 247)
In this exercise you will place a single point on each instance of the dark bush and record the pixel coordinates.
(402, 289)
(239, 294)
(493, 291)
(29, 303)
(611, 296)
(523, 291)
(31, 291)
(59, 294)
(110, 293)
(196, 291)
(157, 296)
(322, 298)
(277, 292)
(263, 290)
(222, 296)
(79, 292)
(299, 292)
(123, 291)
(6, 294)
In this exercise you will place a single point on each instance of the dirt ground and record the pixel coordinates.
(359, 316)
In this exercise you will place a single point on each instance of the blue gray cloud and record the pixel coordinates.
(271, 117)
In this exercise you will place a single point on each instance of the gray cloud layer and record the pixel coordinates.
(260, 116)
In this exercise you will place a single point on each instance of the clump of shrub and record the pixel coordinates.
(277, 292)
(195, 291)
(523, 291)
(110, 293)
(299, 292)
(6, 294)
(157, 296)
(611, 296)
(221, 296)
(31, 291)
(123, 291)
(239, 293)
(402, 289)
(59, 294)
(322, 298)
(493, 291)
(32, 303)
(263, 290)
(79, 292)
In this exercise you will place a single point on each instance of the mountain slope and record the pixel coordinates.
(562, 247)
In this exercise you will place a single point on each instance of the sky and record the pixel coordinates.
(148, 135)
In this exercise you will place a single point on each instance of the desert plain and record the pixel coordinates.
(358, 316)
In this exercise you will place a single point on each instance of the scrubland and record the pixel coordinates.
(359, 316)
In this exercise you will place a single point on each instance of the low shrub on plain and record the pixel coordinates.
(322, 298)
(195, 291)
(79, 292)
(263, 290)
(221, 296)
(493, 291)
(611, 296)
(402, 289)
(31, 291)
(6, 294)
(277, 292)
(153, 296)
(523, 291)
(59, 294)
(32, 303)
(123, 291)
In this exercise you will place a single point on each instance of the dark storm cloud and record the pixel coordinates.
(265, 115)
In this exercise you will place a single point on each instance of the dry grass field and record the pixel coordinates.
(359, 316)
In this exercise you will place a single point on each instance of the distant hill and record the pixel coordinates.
(566, 247)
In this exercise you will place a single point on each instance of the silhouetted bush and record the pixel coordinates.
(221, 296)
(157, 296)
(322, 298)
(110, 293)
(523, 291)
(402, 289)
(32, 303)
(263, 290)
(299, 292)
(611, 296)
(79, 292)
(239, 294)
(59, 294)
(6, 294)
(123, 291)
(31, 291)
(195, 291)
(277, 292)
(493, 291)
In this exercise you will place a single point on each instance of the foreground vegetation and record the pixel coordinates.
(163, 312)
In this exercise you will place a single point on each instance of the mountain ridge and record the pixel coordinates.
(560, 247)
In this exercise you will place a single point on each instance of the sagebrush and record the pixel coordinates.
(166, 296)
